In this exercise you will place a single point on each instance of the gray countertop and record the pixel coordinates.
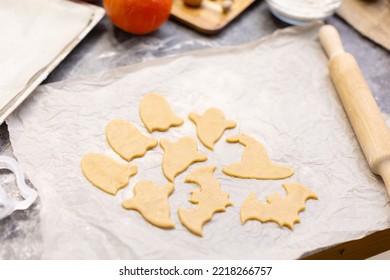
(107, 47)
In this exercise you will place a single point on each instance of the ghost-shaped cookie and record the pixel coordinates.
(178, 156)
(210, 126)
(151, 201)
(127, 141)
(156, 114)
(105, 173)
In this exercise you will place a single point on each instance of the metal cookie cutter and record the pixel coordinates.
(7, 204)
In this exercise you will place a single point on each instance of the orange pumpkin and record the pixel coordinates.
(138, 16)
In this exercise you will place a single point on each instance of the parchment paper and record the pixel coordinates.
(277, 89)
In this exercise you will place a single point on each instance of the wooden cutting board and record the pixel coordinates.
(371, 18)
(208, 18)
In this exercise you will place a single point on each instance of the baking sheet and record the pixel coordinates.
(37, 34)
(286, 101)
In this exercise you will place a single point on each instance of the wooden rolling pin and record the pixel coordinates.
(359, 104)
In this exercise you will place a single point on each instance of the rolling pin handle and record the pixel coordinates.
(330, 41)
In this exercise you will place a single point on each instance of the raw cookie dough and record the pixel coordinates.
(281, 210)
(255, 163)
(156, 114)
(105, 173)
(210, 199)
(151, 201)
(178, 156)
(127, 141)
(210, 126)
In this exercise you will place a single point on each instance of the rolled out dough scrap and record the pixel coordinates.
(281, 210)
(156, 114)
(151, 201)
(127, 141)
(178, 156)
(105, 173)
(210, 126)
(255, 163)
(210, 199)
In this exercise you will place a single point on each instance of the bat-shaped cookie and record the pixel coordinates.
(281, 210)
(210, 199)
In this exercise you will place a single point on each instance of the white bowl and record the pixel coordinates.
(298, 12)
